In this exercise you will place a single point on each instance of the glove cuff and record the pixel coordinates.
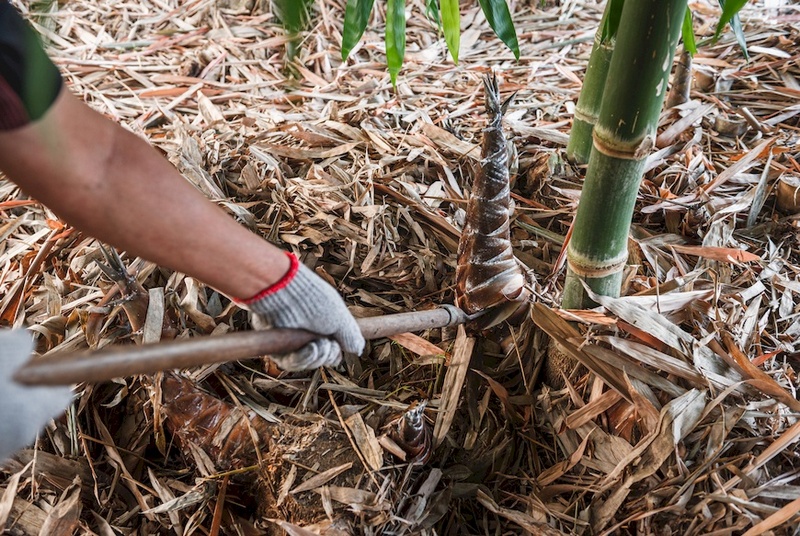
(294, 267)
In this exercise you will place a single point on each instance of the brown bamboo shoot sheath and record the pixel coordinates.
(120, 361)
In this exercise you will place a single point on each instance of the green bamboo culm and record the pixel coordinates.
(623, 138)
(588, 108)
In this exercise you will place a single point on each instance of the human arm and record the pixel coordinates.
(112, 185)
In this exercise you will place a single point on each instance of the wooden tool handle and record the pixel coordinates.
(120, 361)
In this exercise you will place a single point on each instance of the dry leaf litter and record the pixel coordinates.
(686, 421)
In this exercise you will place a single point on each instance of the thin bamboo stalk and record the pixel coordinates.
(623, 137)
(587, 110)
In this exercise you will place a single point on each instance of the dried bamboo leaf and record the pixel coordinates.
(356, 499)
(448, 141)
(64, 518)
(557, 471)
(741, 164)
(165, 494)
(322, 478)
(10, 493)
(707, 362)
(501, 393)
(453, 381)
(571, 343)
(286, 485)
(656, 359)
(199, 494)
(593, 409)
(364, 437)
(417, 344)
(677, 419)
(718, 254)
(295, 530)
(530, 525)
(777, 519)
(629, 368)
(154, 318)
(758, 378)
(308, 154)
(788, 437)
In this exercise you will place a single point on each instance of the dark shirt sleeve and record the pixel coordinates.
(29, 82)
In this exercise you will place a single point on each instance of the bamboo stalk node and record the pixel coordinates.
(614, 147)
(584, 116)
(583, 267)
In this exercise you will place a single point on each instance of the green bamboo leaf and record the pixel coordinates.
(395, 36)
(432, 12)
(451, 21)
(292, 14)
(499, 18)
(729, 10)
(687, 33)
(736, 26)
(610, 22)
(356, 16)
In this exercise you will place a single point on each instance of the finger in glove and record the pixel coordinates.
(318, 353)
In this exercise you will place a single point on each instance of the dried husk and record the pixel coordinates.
(788, 193)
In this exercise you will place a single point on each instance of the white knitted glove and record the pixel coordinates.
(302, 299)
(24, 411)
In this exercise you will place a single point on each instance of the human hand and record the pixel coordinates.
(303, 300)
(24, 411)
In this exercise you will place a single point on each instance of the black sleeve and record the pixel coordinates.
(29, 82)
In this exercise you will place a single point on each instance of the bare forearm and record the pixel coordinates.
(112, 185)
